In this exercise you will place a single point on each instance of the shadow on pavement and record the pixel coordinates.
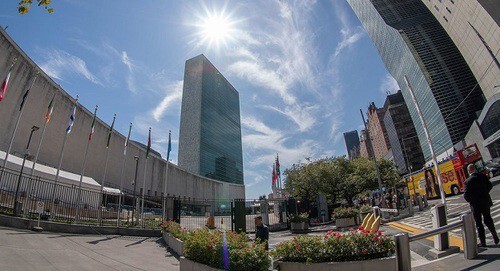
(488, 258)
(95, 242)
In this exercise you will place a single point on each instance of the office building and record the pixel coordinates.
(413, 44)
(405, 147)
(210, 129)
(473, 25)
(376, 128)
(351, 140)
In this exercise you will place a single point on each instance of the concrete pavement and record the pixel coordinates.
(25, 250)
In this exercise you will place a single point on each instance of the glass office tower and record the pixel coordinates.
(412, 43)
(210, 129)
(351, 140)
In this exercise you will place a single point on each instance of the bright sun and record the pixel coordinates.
(216, 29)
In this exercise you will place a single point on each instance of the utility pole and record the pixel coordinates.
(429, 141)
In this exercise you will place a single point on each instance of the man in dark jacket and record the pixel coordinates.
(477, 193)
(261, 231)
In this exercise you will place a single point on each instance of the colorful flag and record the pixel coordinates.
(149, 144)
(71, 119)
(6, 82)
(27, 92)
(169, 148)
(126, 140)
(92, 126)
(50, 109)
(110, 132)
(278, 172)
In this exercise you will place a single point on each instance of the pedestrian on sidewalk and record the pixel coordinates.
(477, 193)
(261, 231)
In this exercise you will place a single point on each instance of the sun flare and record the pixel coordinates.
(216, 29)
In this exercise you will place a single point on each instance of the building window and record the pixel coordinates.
(453, 2)
(444, 17)
(436, 7)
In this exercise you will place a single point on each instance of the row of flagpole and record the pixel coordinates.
(48, 116)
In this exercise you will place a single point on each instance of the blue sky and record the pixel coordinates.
(303, 68)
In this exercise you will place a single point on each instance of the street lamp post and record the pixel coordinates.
(135, 185)
(26, 153)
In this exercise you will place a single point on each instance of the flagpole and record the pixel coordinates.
(148, 149)
(105, 170)
(52, 210)
(39, 145)
(169, 148)
(121, 176)
(165, 193)
(82, 173)
(143, 190)
(15, 129)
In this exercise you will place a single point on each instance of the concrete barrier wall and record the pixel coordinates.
(180, 183)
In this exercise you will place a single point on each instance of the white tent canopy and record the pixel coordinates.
(49, 173)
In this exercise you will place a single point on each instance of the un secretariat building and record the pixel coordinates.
(210, 130)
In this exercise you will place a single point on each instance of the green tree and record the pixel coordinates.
(24, 6)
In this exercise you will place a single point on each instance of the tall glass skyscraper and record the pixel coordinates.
(351, 140)
(210, 129)
(412, 43)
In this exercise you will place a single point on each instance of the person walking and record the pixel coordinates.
(477, 194)
(261, 231)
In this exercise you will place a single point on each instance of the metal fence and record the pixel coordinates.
(67, 203)
(235, 215)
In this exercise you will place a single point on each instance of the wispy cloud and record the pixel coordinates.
(130, 77)
(350, 34)
(260, 137)
(59, 64)
(173, 96)
(388, 85)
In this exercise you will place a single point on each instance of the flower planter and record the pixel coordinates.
(175, 244)
(299, 226)
(345, 222)
(188, 265)
(383, 264)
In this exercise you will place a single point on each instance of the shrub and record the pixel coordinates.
(205, 246)
(365, 209)
(355, 245)
(303, 217)
(343, 212)
(175, 230)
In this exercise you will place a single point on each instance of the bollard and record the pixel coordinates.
(410, 207)
(469, 236)
(376, 212)
(420, 205)
(441, 241)
(425, 201)
(403, 260)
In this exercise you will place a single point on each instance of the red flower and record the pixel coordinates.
(361, 228)
(364, 251)
(297, 248)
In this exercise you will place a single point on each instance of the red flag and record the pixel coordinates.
(5, 83)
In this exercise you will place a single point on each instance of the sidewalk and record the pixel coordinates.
(487, 260)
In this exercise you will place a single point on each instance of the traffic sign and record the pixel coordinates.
(40, 207)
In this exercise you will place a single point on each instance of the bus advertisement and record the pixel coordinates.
(453, 173)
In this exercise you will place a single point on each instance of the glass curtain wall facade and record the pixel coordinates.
(351, 140)
(402, 134)
(210, 131)
(412, 43)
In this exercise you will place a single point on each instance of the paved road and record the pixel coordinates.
(455, 206)
(24, 250)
